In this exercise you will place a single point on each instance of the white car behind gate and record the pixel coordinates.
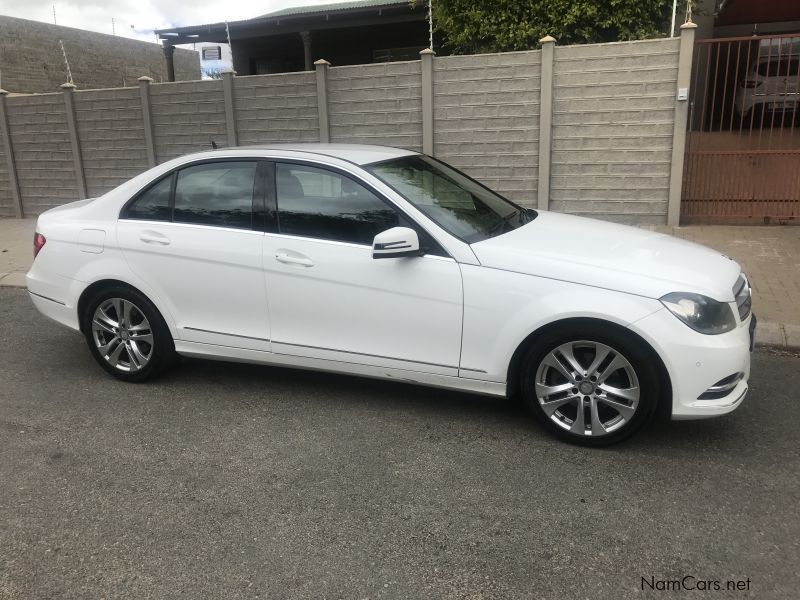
(771, 86)
(387, 263)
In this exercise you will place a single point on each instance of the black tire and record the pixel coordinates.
(579, 336)
(160, 351)
(740, 121)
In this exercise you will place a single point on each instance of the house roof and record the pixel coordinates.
(301, 17)
(327, 8)
(745, 12)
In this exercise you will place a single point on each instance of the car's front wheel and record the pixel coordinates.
(590, 384)
(127, 335)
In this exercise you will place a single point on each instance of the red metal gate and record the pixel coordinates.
(743, 143)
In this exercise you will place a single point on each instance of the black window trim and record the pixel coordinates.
(530, 211)
(272, 204)
(258, 201)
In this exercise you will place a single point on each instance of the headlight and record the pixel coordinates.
(701, 313)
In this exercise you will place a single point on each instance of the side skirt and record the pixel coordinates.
(226, 353)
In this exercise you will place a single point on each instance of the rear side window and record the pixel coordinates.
(153, 204)
(323, 204)
(218, 194)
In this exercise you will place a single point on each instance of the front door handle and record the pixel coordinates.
(153, 237)
(288, 259)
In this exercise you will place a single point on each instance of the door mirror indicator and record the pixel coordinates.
(395, 243)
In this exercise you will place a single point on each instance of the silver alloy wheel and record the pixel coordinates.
(122, 334)
(587, 388)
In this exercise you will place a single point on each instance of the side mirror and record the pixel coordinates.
(395, 243)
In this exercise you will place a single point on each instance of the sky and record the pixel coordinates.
(138, 18)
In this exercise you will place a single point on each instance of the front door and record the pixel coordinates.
(191, 238)
(329, 299)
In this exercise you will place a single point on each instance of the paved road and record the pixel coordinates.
(230, 481)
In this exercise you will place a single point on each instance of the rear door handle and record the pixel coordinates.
(288, 259)
(153, 237)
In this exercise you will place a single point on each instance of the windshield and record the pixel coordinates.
(459, 205)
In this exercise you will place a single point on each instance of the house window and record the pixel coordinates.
(395, 54)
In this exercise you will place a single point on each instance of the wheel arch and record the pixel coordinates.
(664, 401)
(101, 284)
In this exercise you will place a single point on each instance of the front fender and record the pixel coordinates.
(502, 308)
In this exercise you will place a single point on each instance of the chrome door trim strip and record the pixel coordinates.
(245, 337)
(419, 362)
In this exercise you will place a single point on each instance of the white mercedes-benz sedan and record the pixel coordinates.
(388, 263)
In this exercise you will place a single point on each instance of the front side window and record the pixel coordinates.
(218, 194)
(323, 204)
(458, 204)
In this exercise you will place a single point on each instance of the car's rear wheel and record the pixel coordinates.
(127, 335)
(590, 384)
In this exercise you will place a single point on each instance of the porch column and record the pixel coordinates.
(306, 37)
(169, 52)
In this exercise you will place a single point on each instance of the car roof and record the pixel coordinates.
(360, 154)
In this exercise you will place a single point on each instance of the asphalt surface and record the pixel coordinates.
(229, 481)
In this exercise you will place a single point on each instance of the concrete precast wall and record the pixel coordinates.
(587, 129)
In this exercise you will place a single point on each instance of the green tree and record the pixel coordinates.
(470, 26)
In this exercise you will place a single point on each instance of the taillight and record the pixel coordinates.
(38, 243)
(750, 84)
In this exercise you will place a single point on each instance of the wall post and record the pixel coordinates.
(545, 122)
(426, 56)
(681, 119)
(322, 67)
(147, 120)
(230, 109)
(72, 127)
(9, 151)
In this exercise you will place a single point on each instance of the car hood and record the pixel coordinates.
(611, 256)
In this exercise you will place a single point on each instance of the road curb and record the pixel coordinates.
(14, 279)
(785, 336)
(778, 335)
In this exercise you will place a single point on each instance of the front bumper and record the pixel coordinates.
(696, 362)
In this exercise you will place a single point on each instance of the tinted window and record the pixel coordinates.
(458, 204)
(218, 194)
(153, 203)
(323, 204)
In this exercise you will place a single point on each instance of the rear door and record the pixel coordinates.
(191, 237)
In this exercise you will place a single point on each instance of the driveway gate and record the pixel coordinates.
(743, 142)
